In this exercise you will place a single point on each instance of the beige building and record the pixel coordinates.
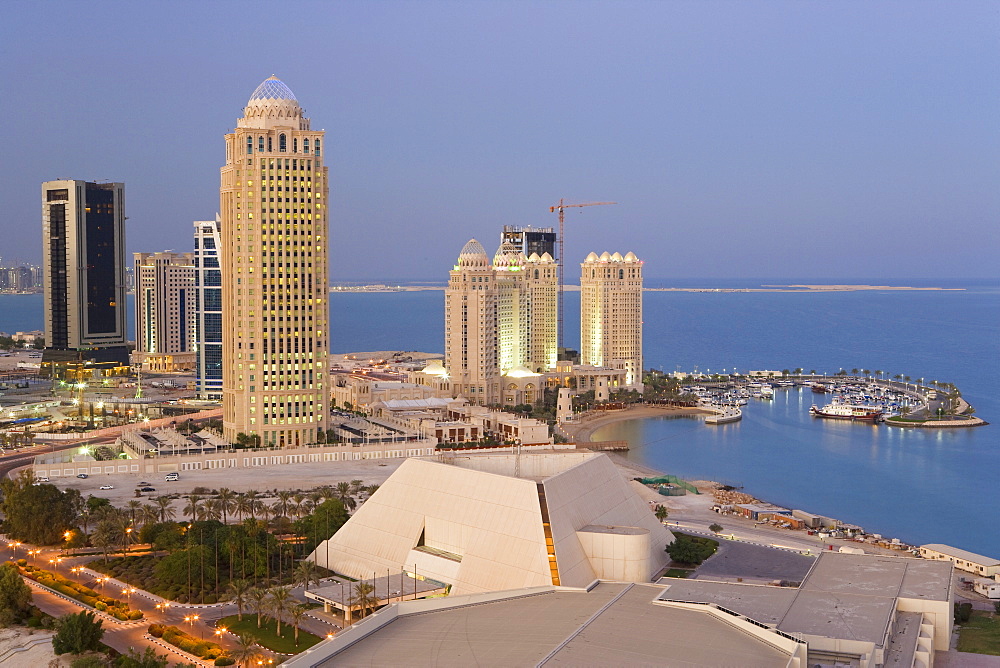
(963, 560)
(498, 317)
(487, 522)
(611, 314)
(273, 202)
(165, 302)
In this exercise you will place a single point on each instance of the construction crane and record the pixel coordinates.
(561, 207)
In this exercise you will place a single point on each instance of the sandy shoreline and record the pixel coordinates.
(583, 431)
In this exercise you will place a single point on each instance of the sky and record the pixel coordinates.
(739, 139)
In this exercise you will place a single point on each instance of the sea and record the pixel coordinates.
(918, 485)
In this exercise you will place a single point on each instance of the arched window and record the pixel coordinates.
(536, 273)
(249, 145)
(269, 147)
(305, 145)
(260, 144)
(282, 143)
(317, 147)
(593, 273)
(295, 145)
(621, 274)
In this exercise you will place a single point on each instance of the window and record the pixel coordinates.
(295, 145)
(260, 144)
(282, 143)
(249, 145)
(317, 147)
(269, 147)
(305, 145)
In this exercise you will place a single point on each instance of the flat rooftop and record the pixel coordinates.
(612, 624)
(388, 588)
(536, 465)
(961, 554)
(843, 596)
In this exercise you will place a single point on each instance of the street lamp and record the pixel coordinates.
(191, 619)
(67, 536)
(162, 607)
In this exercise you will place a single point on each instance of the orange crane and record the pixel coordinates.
(561, 207)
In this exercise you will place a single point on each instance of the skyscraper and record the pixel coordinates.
(611, 314)
(83, 246)
(208, 309)
(274, 273)
(498, 318)
(165, 310)
(528, 240)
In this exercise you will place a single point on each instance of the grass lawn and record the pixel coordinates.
(981, 634)
(676, 573)
(266, 635)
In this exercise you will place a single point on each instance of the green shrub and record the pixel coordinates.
(156, 630)
(135, 614)
(34, 622)
(224, 661)
(88, 600)
(100, 605)
(22, 562)
(211, 598)
(188, 645)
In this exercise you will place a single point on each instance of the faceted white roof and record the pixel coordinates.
(473, 253)
(272, 88)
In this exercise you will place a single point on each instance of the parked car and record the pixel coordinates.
(142, 483)
(147, 489)
(172, 477)
(43, 479)
(107, 486)
(82, 475)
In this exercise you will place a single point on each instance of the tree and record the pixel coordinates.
(364, 596)
(661, 512)
(690, 549)
(258, 598)
(344, 494)
(148, 659)
(281, 599)
(166, 507)
(715, 528)
(38, 514)
(15, 596)
(305, 573)
(239, 590)
(246, 652)
(77, 633)
(297, 612)
(996, 607)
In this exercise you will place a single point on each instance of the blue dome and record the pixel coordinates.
(272, 88)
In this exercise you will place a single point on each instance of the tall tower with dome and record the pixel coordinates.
(273, 207)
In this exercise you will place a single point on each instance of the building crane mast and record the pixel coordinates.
(561, 268)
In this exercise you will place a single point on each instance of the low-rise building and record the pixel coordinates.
(986, 587)
(971, 562)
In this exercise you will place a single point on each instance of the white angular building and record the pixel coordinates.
(611, 314)
(275, 324)
(491, 522)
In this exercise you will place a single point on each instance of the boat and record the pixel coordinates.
(837, 411)
(820, 388)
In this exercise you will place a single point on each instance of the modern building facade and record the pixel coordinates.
(528, 240)
(83, 245)
(274, 273)
(611, 314)
(165, 301)
(499, 318)
(208, 308)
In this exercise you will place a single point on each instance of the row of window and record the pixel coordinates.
(282, 144)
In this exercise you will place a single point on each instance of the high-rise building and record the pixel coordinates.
(499, 318)
(470, 326)
(528, 240)
(611, 314)
(165, 311)
(83, 245)
(275, 337)
(208, 309)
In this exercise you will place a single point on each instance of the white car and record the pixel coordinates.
(107, 486)
(42, 479)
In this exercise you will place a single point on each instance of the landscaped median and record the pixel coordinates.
(291, 641)
(203, 649)
(118, 609)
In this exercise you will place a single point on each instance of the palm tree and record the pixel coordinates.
(305, 573)
(356, 486)
(239, 590)
(166, 507)
(133, 507)
(281, 599)
(363, 596)
(246, 653)
(661, 512)
(226, 499)
(284, 497)
(252, 507)
(370, 490)
(242, 505)
(257, 598)
(192, 508)
(150, 514)
(344, 494)
(297, 612)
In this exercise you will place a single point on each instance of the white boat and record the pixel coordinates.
(837, 411)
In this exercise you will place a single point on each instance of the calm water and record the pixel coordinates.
(917, 485)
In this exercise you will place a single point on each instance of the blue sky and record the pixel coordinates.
(741, 139)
